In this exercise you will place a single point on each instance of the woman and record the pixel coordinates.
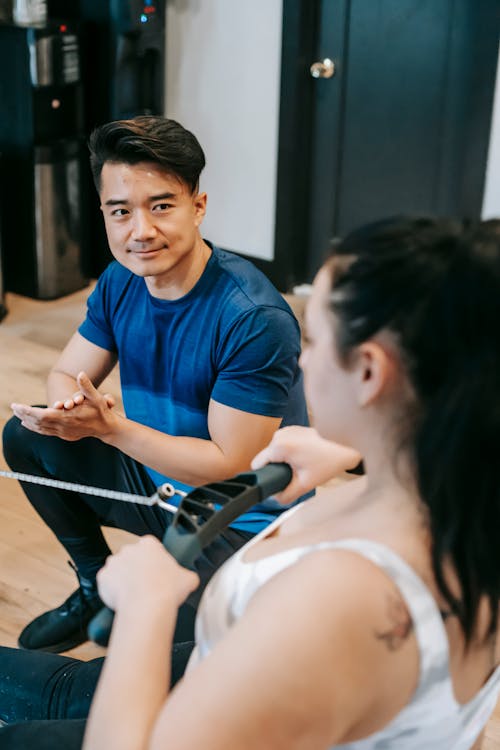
(367, 617)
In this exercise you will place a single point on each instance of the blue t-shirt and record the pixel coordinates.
(231, 338)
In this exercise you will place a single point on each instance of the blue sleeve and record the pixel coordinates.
(258, 362)
(96, 327)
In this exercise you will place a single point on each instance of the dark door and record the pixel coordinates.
(403, 124)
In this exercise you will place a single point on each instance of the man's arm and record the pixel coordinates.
(64, 393)
(79, 354)
(236, 436)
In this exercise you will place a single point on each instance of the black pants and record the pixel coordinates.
(37, 686)
(49, 696)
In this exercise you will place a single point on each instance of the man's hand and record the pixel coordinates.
(87, 413)
(78, 398)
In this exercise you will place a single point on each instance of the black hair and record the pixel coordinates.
(435, 283)
(147, 139)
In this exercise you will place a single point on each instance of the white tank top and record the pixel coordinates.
(432, 720)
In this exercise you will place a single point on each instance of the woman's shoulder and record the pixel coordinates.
(352, 569)
(317, 655)
(359, 624)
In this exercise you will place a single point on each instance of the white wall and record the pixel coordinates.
(223, 83)
(491, 198)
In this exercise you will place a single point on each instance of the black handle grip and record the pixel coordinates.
(197, 522)
(100, 626)
(205, 512)
(270, 479)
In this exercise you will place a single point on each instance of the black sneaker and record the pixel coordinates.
(62, 628)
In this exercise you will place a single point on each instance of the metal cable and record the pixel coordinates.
(167, 490)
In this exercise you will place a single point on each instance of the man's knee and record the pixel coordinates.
(14, 439)
(22, 447)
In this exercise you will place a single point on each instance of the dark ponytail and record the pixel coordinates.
(436, 284)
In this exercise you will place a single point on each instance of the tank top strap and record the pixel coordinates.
(427, 620)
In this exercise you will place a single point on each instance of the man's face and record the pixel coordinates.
(152, 220)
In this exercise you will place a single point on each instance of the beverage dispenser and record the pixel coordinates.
(43, 147)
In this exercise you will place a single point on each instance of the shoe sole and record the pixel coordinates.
(56, 648)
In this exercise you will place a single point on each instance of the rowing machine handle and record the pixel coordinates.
(201, 516)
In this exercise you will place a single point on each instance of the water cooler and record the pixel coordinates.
(123, 75)
(3, 309)
(123, 64)
(138, 58)
(42, 140)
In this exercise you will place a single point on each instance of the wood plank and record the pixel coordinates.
(34, 574)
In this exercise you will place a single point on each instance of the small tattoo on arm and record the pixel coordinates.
(400, 623)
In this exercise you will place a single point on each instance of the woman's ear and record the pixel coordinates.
(375, 368)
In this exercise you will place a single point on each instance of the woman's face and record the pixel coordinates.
(329, 385)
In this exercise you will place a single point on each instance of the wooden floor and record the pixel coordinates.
(34, 575)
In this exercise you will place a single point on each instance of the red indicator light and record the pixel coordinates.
(149, 9)
(63, 28)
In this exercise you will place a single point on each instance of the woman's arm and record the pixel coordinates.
(317, 659)
(145, 586)
(313, 459)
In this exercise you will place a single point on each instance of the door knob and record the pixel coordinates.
(323, 69)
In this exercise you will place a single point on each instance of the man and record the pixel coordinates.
(208, 354)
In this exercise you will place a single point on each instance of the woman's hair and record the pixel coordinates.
(147, 139)
(435, 283)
